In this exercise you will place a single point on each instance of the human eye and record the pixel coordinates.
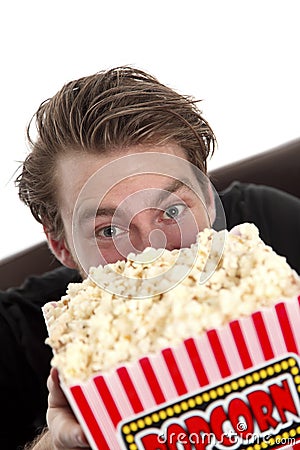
(108, 232)
(173, 211)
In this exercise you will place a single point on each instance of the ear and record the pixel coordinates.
(211, 204)
(60, 249)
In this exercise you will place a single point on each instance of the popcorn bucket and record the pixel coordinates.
(235, 387)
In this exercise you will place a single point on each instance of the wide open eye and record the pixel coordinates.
(172, 212)
(109, 232)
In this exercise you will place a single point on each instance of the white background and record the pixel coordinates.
(240, 57)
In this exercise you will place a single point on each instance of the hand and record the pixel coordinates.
(65, 431)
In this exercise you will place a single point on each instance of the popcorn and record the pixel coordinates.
(92, 330)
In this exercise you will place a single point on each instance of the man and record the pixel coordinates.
(92, 212)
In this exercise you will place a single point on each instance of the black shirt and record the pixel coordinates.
(275, 213)
(25, 359)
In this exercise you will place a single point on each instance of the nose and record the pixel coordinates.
(145, 232)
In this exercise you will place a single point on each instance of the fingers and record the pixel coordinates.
(56, 396)
(65, 430)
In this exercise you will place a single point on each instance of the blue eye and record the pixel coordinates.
(173, 211)
(109, 232)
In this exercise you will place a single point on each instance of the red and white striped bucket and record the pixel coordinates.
(233, 387)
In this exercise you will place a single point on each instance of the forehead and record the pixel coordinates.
(76, 170)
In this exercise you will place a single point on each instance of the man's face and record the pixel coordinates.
(126, 201)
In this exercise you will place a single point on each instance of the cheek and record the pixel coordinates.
(187, 233)
(88, 253)
(184, 233)
(201, 216)
(110, 255)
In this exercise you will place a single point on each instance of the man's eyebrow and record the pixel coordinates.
(173, 187)
(107, 212)
(91, 213)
